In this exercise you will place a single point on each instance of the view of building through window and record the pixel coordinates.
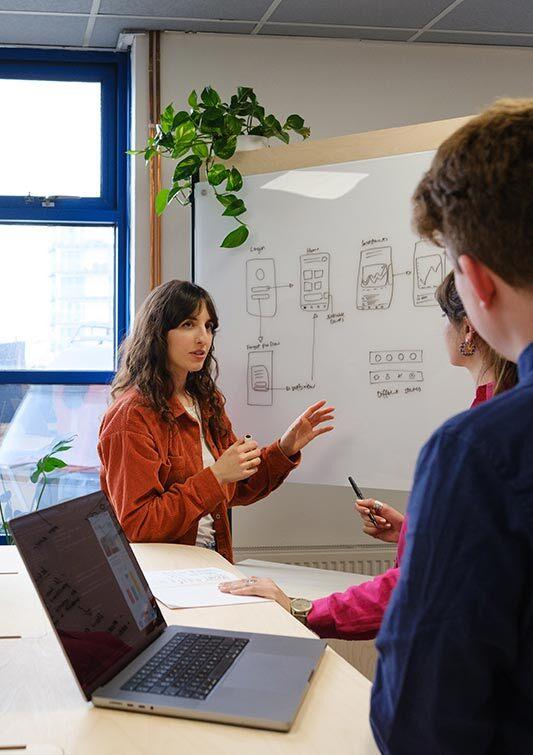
(61, 314)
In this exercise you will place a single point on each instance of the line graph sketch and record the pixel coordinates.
(429, 269)
(375, 281)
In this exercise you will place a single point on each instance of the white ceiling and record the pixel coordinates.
(98, 23)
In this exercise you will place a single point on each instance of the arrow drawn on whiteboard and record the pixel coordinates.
(284, 285)
(407, 272)
(260, 339)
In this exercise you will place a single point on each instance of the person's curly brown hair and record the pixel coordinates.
(143, 356)
(477, 196)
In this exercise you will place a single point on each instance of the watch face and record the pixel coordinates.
(301, 605)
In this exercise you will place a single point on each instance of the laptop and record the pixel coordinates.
(119, 647)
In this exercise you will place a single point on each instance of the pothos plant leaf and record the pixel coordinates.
(236, 237)
(206, 132)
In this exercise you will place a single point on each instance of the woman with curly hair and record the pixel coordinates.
(171, 463)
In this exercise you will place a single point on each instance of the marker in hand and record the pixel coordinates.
(360, 497)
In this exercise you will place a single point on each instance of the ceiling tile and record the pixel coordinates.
(58, 6)
(466, 38)
(242, 10)
(414, 13)
(291, 30)
(490, 15)
(106, 30)
(42, 30)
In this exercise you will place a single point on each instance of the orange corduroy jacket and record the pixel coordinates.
(152, 474)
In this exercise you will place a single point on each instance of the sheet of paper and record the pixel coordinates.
(10, 561)
(194, 588)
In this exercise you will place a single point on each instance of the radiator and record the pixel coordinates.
(370, 559)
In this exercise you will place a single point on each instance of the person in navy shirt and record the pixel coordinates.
(455, 672)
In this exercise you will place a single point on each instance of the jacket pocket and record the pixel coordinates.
(176, 470)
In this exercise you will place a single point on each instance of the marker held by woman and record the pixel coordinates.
(360, 496)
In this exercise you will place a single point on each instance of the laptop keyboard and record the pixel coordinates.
(189, 665)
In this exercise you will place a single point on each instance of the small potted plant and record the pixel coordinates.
(43, 467)
(207, 135)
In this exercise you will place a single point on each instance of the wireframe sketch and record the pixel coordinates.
(429, 269)
(375, 281)
(261, 293)
(259, 378)
(379, 377)
(396, 356)
(314, 281)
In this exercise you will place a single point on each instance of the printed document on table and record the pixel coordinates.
(194, 588)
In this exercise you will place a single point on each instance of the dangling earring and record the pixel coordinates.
(468, 348)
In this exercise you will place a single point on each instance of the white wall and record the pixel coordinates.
(339, 87)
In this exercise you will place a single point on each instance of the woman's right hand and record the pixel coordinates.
(389, 521)
(238, 462)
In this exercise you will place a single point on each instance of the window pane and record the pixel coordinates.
(32, 419)
(56, 297)
(52, 139)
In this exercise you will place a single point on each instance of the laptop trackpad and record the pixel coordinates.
(269, 672)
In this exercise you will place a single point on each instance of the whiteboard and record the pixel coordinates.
(332, 298)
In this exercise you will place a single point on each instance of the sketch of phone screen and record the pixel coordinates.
(314, 281)
(261, 292)
(375, 281)
(429, 269)
(260, 378)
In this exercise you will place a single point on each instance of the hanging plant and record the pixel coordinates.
(206, 135)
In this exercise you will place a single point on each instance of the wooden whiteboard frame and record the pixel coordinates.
(419, 137)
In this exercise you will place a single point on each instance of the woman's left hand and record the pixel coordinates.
(306, 428)
(263, 588)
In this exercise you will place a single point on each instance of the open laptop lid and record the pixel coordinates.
(90, 584)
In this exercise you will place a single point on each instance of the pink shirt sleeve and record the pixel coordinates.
(357, 613)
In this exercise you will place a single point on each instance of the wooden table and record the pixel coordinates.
(40, 703)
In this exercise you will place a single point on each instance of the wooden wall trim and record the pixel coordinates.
(391, 141)
(154, 84)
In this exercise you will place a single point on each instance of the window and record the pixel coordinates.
(63, 261)
(63, 236)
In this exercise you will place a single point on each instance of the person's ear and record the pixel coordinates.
(479, 277)
(468, 328)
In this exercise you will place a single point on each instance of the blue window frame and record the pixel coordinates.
(111, 71)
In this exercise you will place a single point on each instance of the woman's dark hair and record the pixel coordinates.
(505, 372)
(143, 356)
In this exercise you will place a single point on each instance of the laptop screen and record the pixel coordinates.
(90, 584)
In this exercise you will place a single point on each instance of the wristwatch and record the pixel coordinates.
(300, 608)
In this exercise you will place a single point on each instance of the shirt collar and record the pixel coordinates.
(525, 364)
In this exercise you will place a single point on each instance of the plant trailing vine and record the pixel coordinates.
(207, 135)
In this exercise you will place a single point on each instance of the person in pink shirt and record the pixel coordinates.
(356, 614)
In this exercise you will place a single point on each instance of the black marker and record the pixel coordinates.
(361, 497)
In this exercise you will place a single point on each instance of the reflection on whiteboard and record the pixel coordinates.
(319, 184)
(340, 306)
